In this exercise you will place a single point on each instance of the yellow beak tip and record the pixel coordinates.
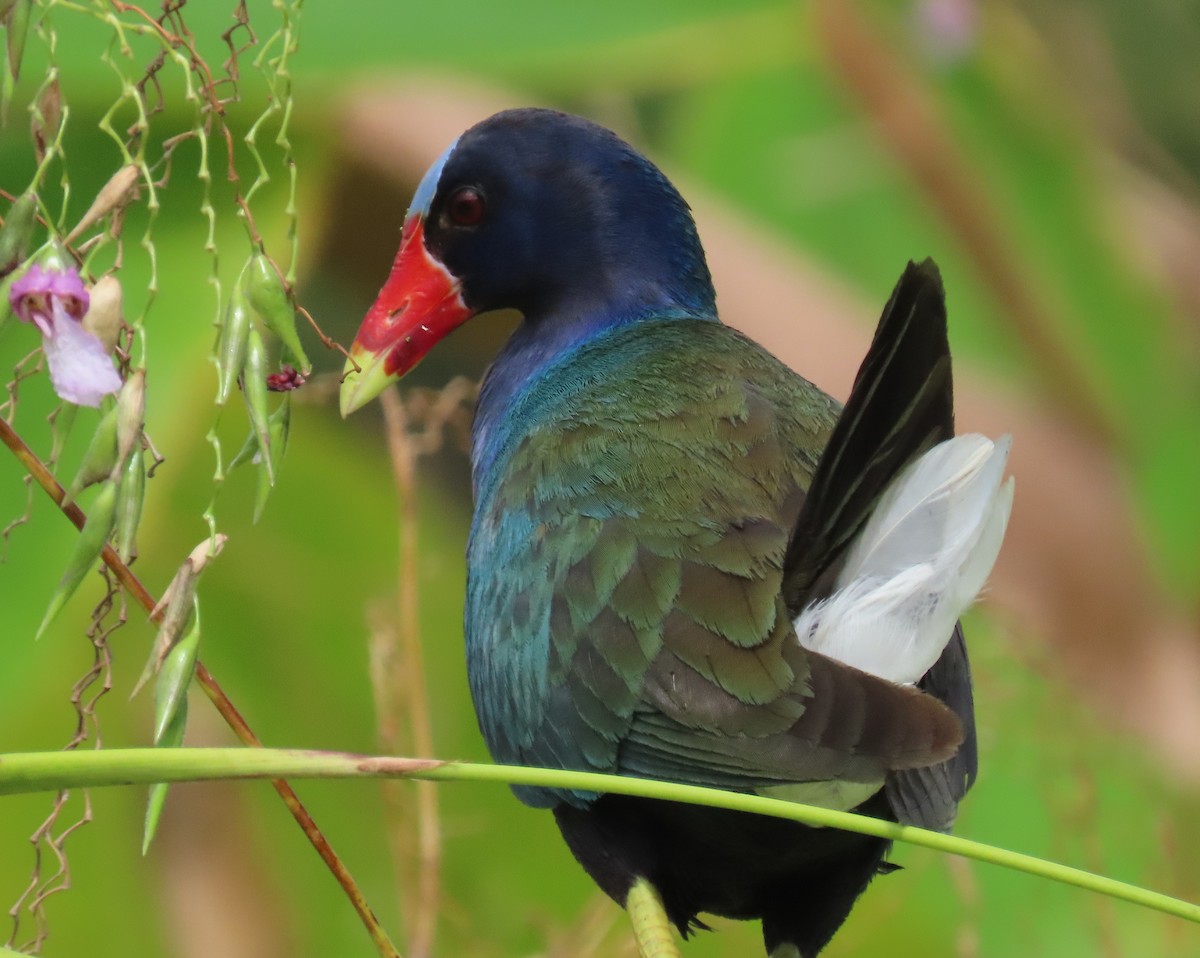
(347, 401)
(363, 378)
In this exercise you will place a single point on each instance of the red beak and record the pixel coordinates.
(420, 303)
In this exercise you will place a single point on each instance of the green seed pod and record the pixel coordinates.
(172, 737)
(131, 413)
(100, 458)
(87, 550)
(269, 299)
(6, 311)
(130, 496)
(170, 691)
(246, 454)
(18, 28)
(231, 344)
(279, 426)
(18, 229)
(254, 389)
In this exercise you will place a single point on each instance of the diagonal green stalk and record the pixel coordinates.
(50, 771)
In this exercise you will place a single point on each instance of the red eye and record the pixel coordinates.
(466, 207)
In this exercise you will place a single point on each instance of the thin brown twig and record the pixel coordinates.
(214, 105)
(424, 924)
(327, 341)
(215, 693)
(386, 670)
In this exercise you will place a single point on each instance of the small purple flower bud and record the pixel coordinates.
(287, 379)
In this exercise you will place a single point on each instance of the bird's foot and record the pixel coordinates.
(651, 926)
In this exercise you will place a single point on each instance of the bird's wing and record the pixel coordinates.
(625, 610)
(902, 403)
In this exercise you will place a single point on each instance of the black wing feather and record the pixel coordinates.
(902, 403)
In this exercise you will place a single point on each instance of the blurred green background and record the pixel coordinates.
(1047, 154)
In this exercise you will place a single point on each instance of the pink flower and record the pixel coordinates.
(947, 30)
(81, 370)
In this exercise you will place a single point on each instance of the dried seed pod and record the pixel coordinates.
(104, 318)
(131, 412)
(269, 299)
(46, 119)
(231, 344)
(177, 605)
(114, 194)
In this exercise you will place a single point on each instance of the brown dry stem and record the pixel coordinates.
(408, 635)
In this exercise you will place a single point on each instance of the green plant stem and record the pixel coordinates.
(50, 771)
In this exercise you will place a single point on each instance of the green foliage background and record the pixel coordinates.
(723, 89)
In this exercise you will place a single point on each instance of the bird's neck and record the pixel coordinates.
(545, 341)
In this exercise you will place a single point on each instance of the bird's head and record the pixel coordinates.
(536, 211)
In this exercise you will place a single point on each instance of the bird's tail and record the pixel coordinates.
(919, 561)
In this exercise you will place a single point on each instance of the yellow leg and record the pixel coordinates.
(651, 926)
